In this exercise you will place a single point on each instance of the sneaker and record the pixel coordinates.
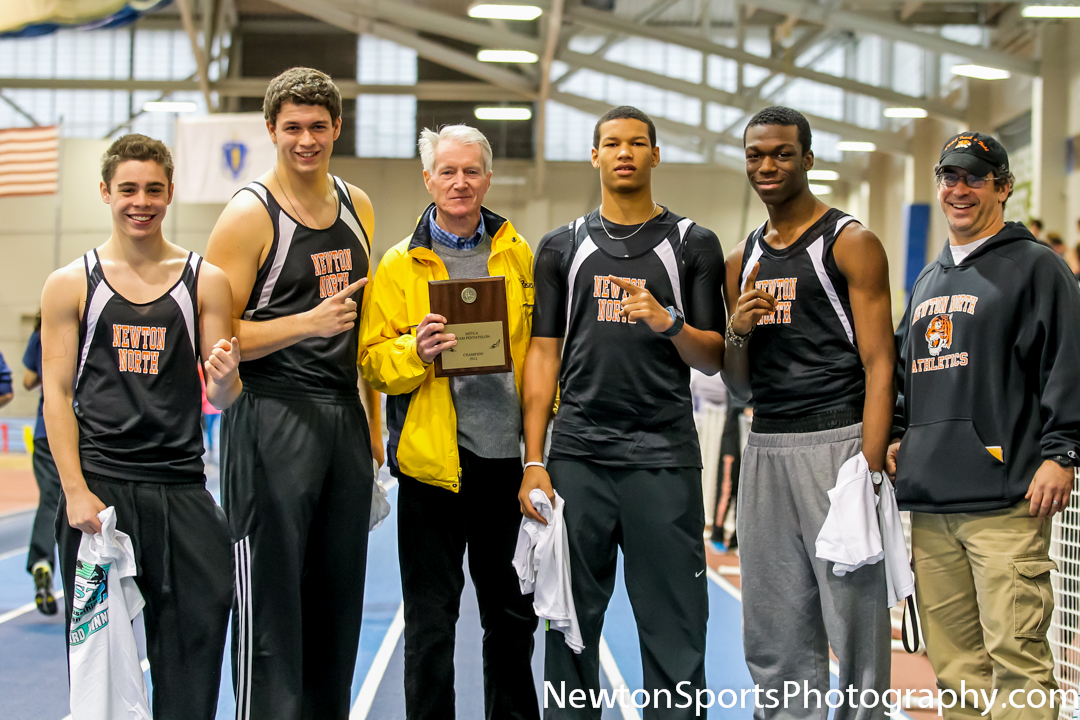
(43, 592)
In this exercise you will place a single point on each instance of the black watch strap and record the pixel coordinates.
(1070, 461)
(677, 322)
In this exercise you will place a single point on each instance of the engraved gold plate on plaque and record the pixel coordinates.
(479, 345)
(476, 314)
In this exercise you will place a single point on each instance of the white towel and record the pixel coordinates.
(850, 536)
(898, 575)
(542, 563)
(863, 528)
(106, 676)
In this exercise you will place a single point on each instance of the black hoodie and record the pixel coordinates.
(988, 375)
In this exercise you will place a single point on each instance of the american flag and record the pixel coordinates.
(29, 161)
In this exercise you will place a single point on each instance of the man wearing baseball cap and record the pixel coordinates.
(988, 436)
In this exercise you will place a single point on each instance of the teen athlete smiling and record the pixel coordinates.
(635, 293)
(122, 332)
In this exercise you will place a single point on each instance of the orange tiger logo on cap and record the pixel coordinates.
(939, 334)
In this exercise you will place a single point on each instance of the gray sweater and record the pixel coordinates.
(487, 406)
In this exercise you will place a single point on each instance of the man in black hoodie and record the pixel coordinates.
(989, 364)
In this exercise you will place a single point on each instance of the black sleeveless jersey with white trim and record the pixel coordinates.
(304, 267)
(804, 357)
(624, 389)
(138, 401)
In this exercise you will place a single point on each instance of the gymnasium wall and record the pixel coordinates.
(715, 197)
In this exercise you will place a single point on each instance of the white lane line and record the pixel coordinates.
(724, 583)
(734, 592)
(12, 614)
(378, 666)
(618, 685)
(13, 553)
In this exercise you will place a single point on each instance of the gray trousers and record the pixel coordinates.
(794, 608)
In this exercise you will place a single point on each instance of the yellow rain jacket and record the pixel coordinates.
(419, 409)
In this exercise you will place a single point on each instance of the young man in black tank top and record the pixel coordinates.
(296, 463)
(122, 332)
(628, 299)
(811, 339)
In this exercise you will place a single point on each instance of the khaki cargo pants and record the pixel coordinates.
(985, 604)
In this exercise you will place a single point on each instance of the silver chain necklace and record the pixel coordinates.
(631, 234)
(283, 190)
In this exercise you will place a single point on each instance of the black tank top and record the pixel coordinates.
(804, 358)
(625, 391)
(303, 268)
(137, 395)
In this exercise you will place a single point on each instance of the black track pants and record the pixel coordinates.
(181, 543)
(434, 528)
(657, 516)
(296, 485)
(43, 535)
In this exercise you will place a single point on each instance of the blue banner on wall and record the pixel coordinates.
(916, 235)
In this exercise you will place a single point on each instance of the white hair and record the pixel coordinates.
(461, 134)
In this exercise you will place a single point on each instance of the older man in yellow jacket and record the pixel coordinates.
(454, 442)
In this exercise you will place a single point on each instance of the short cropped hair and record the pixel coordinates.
(780, 115)
(623, 112)
(461, 134)
(301, 86)
(135, 147)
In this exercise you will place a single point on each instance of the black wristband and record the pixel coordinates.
(677, 322)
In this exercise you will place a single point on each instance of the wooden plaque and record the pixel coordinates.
(475, 312)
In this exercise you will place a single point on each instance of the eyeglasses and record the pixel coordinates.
(951, 179)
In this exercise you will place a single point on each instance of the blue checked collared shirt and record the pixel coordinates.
(451, 240)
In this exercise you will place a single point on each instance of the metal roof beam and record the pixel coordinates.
(356, 19)
(888, 142)
(610, 23)
(847, 20)
(256, 87)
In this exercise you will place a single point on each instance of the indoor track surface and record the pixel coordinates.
(33, 678)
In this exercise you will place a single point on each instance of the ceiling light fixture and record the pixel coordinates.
(491, 11)
(506, 56)
(503, 113)
(905, 112)
(851, 146)
(1051, 11)
(822, 175)
(820, 189)
(980, 72)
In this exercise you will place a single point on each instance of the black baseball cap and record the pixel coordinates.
(977, 153)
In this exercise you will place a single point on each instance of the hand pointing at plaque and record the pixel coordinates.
(430, 340)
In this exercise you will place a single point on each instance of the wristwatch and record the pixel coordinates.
(877, 476)
(1066, 461)
(677, 322)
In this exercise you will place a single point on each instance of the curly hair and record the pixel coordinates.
(135, 147)
(301, 86)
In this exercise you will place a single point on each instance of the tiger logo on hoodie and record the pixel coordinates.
(939, 334)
